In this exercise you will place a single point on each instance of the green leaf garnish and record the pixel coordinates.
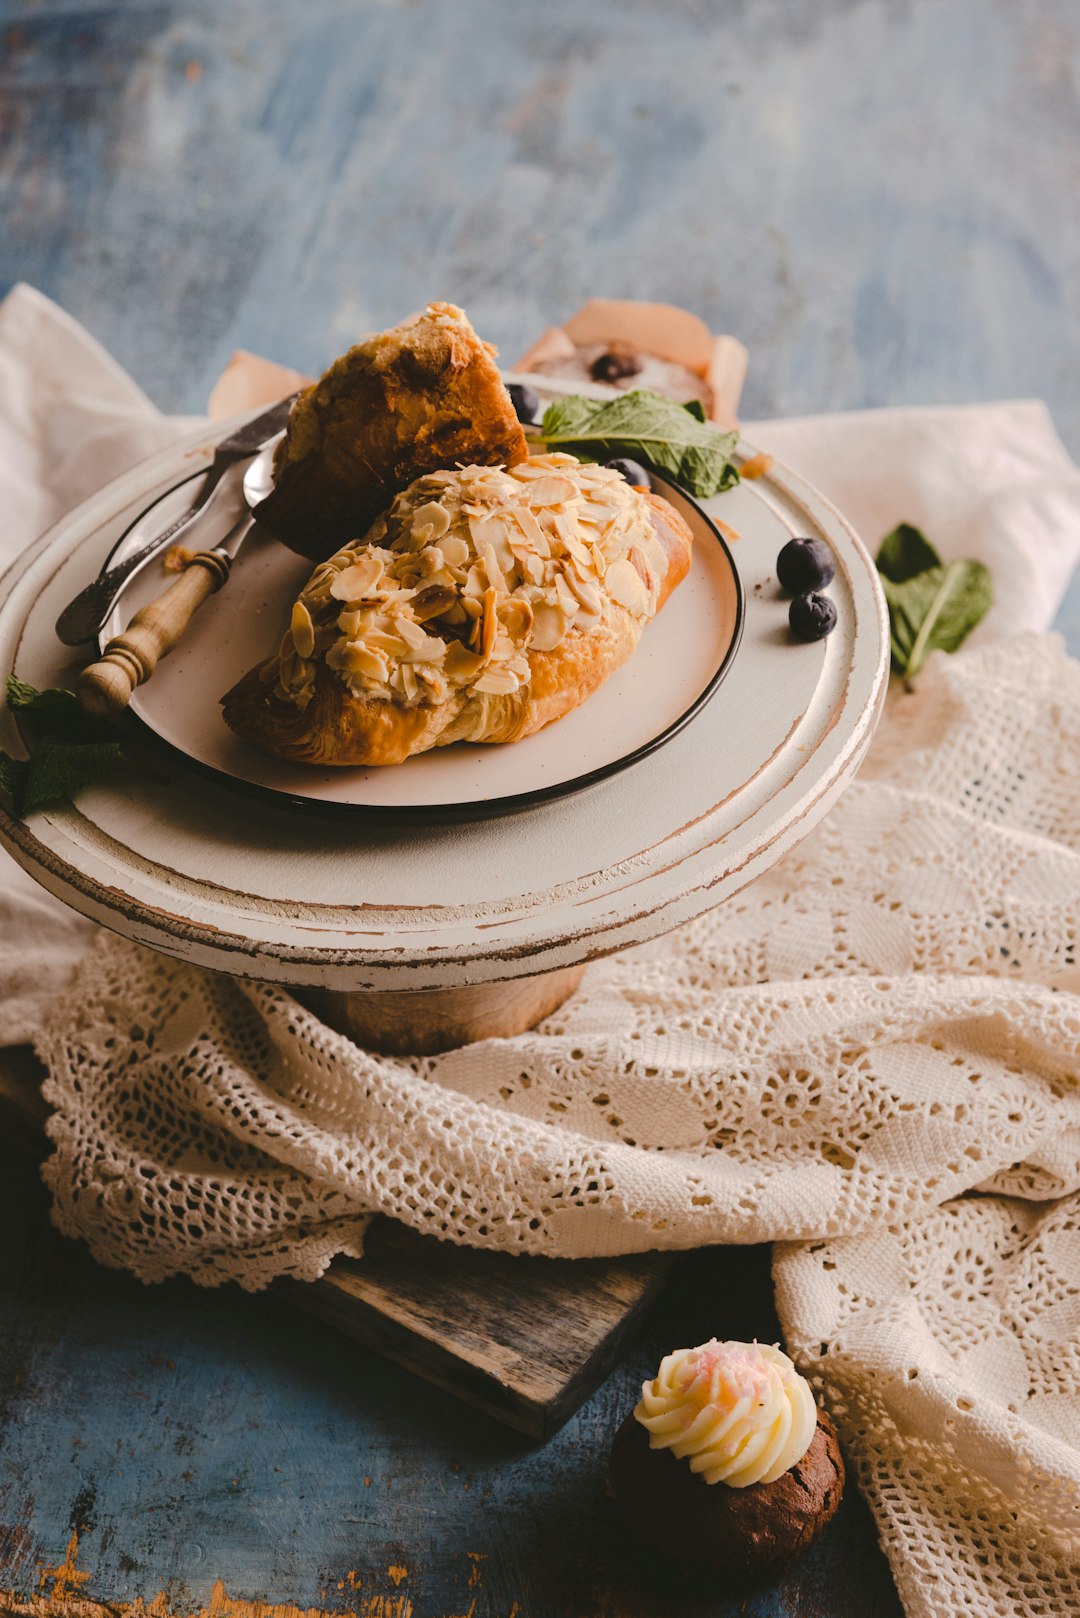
(645, 426)
(59, 769)
(13, 779)
(70, 750)
(933, 605)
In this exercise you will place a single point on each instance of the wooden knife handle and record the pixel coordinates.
(105, 687)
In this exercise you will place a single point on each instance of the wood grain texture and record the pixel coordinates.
(430, 1020)
(105, 686)
(526, 1340)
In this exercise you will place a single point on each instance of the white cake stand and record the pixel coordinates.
(418, 937)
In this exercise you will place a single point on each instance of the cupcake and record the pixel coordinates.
(727, 1463)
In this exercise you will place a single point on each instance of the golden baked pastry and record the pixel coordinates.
(487, 602)
(403, 402)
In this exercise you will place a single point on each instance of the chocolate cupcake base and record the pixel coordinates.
(736, 1533)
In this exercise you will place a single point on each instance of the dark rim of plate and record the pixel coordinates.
(482, 808)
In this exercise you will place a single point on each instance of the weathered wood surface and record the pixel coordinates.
(878, 197)
(526, 1340)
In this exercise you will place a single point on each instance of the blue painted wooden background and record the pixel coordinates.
(879, 197)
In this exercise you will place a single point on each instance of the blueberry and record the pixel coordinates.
(811, 617)
(632, 471)
(614, 365)
(526, 402)
(805, 564)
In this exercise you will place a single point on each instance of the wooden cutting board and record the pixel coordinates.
(524, 1339)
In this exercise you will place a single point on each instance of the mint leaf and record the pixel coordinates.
(58, 769)
(12, 780)
(904, 553)
(54, 712)
(649, 427)
(935, 609)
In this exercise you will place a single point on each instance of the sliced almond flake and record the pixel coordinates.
(643, 568)
(357, 580)
(498, 682)
(455, 550)
(430, 521)
(384, 640)
(624, 585)
(496, 578)
(551, 491)
(516, 615)
(303, 630)
(592, 511)
(461, 664)
(533, 533)
(357, 658)
(433, 602)
(409, 630)
(567, 599)
(408, 682)
(432, 651)
(533, 569)
(550, 625)
(472, 606)
(490, 624)
(476, 581)
(585, 591)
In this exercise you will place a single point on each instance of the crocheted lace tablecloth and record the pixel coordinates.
(870, 1057)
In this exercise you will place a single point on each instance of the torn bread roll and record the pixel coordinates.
(402, 402)
(488, 602)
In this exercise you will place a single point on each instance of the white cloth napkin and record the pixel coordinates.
(887, 1021)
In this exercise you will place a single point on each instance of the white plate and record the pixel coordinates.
(678, 665)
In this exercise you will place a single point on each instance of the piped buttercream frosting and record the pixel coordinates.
(740, 1413)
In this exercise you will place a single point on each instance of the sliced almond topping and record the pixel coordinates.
(498, 682)
(551, 491)
(496, 578)
(516, 615)
(532, 532)
(358, 580)
(357, 658)
(303, 630)
(550, 625)
(429, 651)
(567, 600)
(408, 682)
(430, 521)
(460, 663)
(642, 567)
(490, 625)
(433, 602)
(624, 585)
(585, 591)
(455, 550)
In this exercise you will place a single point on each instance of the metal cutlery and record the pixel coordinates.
(83, 617)
(105, 687)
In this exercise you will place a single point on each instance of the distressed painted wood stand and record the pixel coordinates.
(419, 936)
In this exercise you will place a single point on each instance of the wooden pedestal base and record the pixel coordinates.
(419, 1022)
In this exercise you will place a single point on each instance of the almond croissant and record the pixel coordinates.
(487, 602)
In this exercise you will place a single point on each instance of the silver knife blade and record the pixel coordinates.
(83, 617)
